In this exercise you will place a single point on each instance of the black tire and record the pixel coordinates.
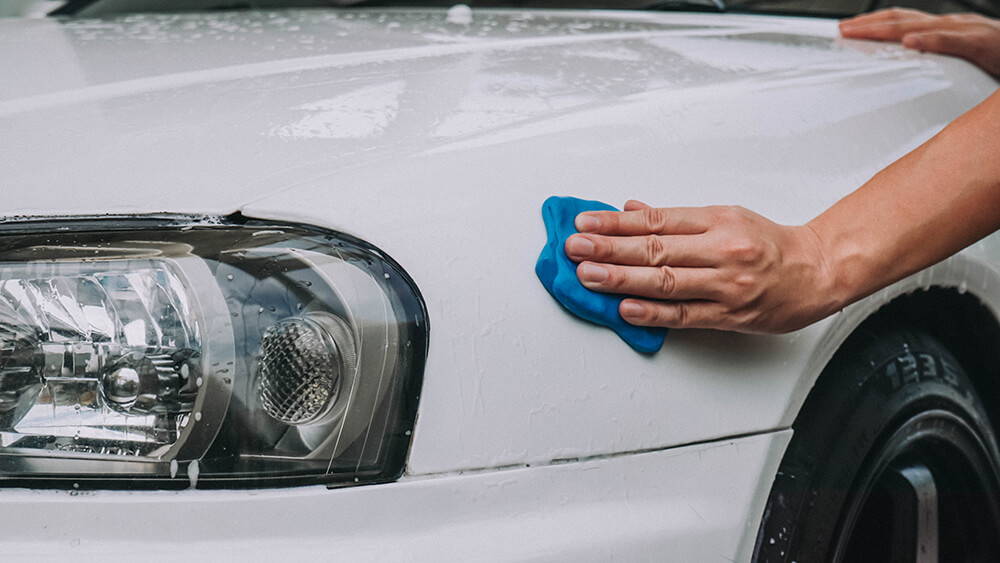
(892, 423)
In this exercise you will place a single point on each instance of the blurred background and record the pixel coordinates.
(823, 8)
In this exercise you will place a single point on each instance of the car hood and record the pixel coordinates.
(204, 113)
(437, 138)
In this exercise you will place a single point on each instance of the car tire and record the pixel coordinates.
(893, 458)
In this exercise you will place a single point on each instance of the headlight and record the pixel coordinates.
(150, 354)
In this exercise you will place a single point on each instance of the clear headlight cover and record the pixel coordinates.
(155, 354)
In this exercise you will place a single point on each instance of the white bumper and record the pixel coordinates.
(695, 503)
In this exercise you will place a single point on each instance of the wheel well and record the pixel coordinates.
(964, 325)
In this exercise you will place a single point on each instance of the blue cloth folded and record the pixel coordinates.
(558, 274)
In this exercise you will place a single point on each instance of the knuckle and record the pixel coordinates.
(654, 218)
(726, 214)
(897, 13)
(734, 215)
(743, 283)
(747, 319)
(892, 13)
(655, 251)
(745, 250)
(667, 280)
(745, 214)
(682, 315)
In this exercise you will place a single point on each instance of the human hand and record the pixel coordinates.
(705, 267)
(972, 37)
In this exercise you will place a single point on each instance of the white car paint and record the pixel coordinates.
(696, 503)
(438, 142)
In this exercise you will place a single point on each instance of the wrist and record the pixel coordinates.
(838, 264)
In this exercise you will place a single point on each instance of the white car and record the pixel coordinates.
(267, 291)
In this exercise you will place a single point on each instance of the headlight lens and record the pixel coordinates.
(240, 355)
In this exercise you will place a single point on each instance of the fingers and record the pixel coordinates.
(889, 14)
(646, 220)
(890, 31)
(663, 282)
(891, 24)
(943, 42)
(895, 24)
(970, 36)
(685, 314)
(635, 205)
(648, 250)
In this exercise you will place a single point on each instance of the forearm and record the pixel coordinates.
(926, 206)
(729, 268)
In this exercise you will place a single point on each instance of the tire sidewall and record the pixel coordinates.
(876, 382)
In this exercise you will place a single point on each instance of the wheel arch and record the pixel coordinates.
(957, 301)
(941, 302)
(963, 323)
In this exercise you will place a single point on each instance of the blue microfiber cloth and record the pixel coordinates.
(558, 274)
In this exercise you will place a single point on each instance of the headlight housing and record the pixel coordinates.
(171, 354)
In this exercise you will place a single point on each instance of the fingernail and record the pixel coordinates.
(593, 273)
(630, 309)
(579, 246)
(585, 223)
(851, 26)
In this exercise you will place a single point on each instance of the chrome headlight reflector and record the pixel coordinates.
(166, 355)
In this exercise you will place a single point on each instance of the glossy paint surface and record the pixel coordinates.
(437, 141)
